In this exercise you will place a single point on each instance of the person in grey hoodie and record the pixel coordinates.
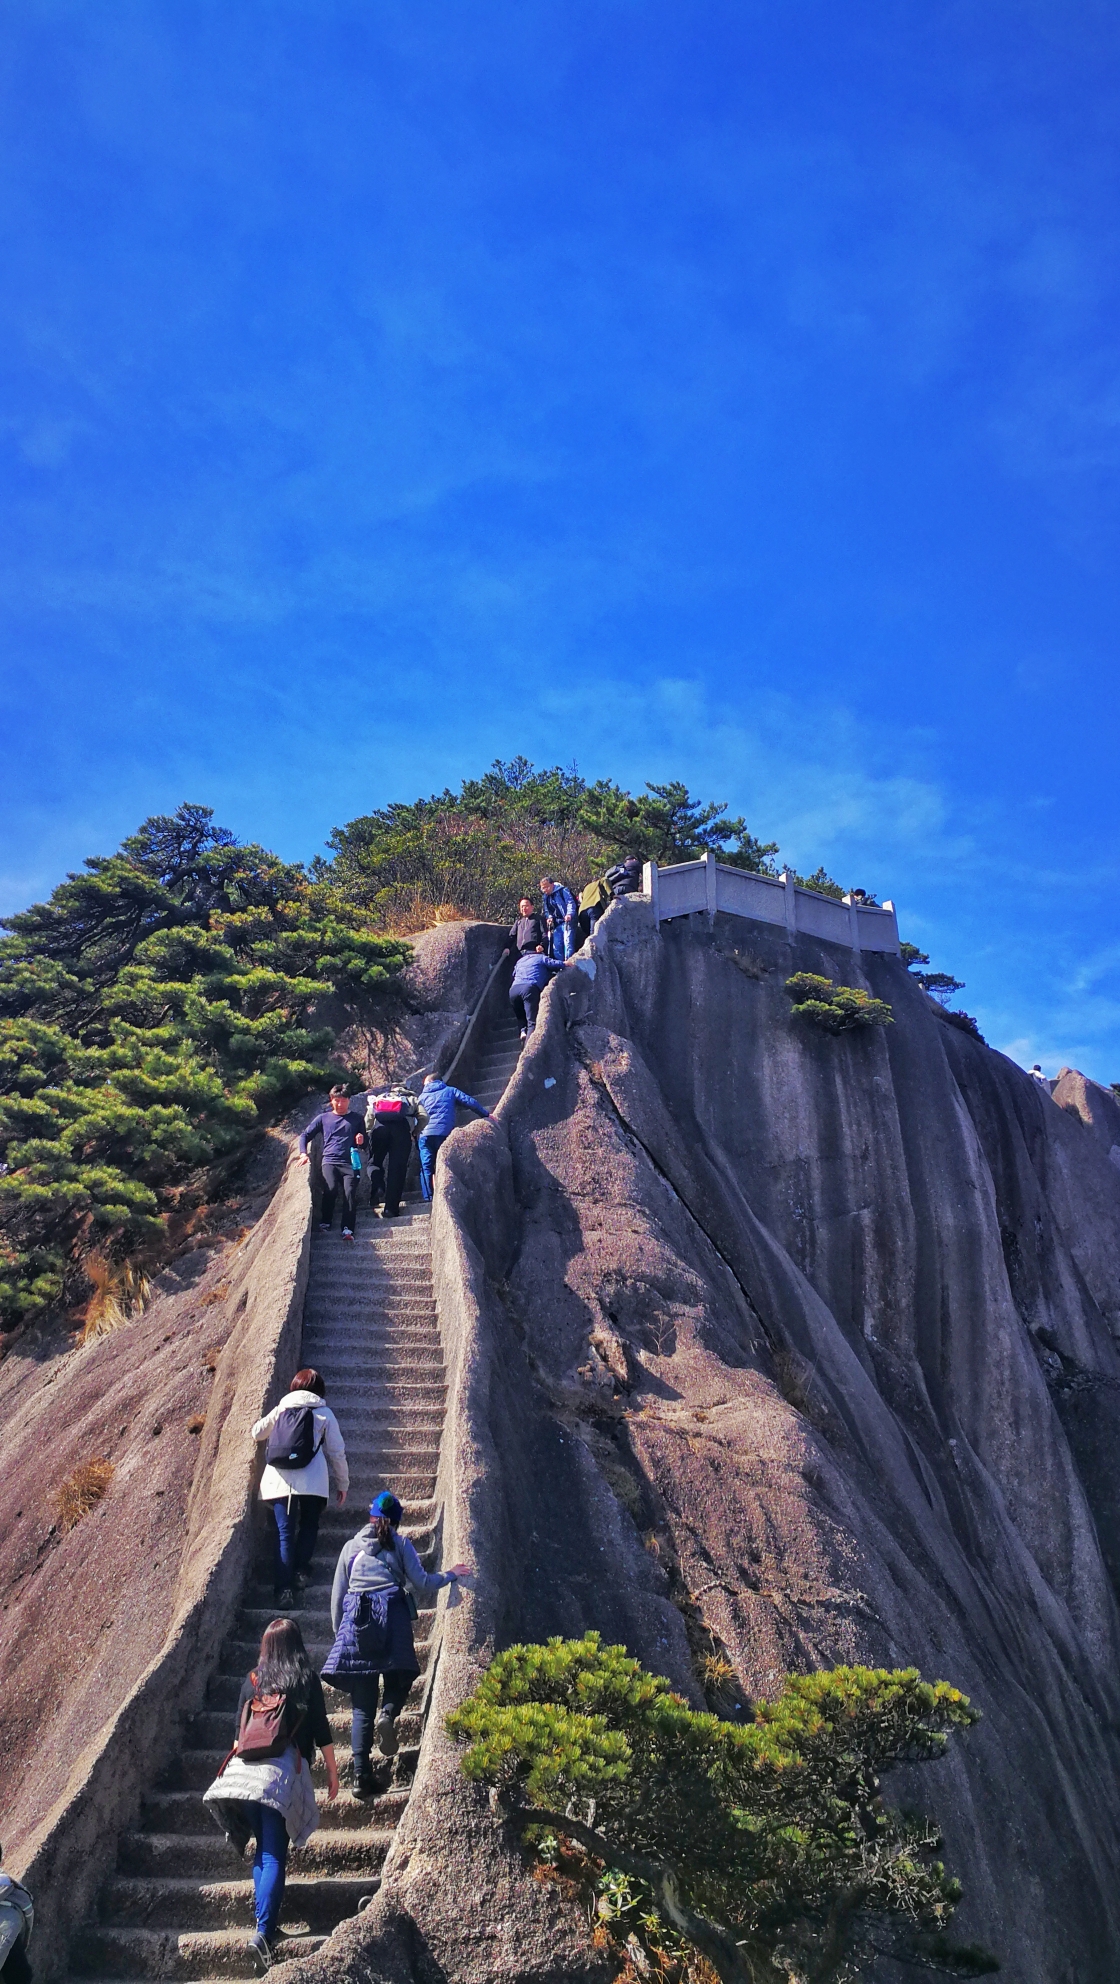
(377, 1581)
(299, 1494)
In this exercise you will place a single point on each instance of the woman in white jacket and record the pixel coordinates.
(299, 1494)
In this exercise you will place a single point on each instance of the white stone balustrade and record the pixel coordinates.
(710, 885)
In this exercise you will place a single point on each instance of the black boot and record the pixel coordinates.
(362, 1780)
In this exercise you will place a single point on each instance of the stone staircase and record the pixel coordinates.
(499, 1053)
(180, 1906)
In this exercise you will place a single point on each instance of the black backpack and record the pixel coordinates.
(291, 1442)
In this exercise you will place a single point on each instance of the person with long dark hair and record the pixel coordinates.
(270, 1795)
(377, 1581)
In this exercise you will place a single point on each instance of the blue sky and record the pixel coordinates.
(723, 391)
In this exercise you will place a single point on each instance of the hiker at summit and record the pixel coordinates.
(530, 976)
(305, 1461)
(625, 878)
(527, 934)
(437, 1120)
(559, 910)
(378, 1579)
(342, 1132)
(264, 1787)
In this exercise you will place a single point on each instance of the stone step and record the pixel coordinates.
(238, 1655)
(421, 1443)
(211, 1729)
(208, 1855)
(224, 1689)
(389, 1411)
(394, 1354)
(314, 1902)
(195, 1770)
(199, 1953)
(182, 1812)
(403, 1317)
(367, 1276)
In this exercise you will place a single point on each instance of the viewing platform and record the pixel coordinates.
(709, 885)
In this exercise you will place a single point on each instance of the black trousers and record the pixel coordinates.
(527, 1002)
(390, 1147)
(336, 1178)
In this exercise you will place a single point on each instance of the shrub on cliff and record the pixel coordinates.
(153, 1014)
(766, 1847)
(835, 1008)
(476, 851)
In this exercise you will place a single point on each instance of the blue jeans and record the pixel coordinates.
(297, 1528)
(428, 1148)
(560, 944)
(269, 1865)
(363, 1695)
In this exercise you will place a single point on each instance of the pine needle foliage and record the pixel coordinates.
(154, 1013)
(765, 1846)
(835, 1008)
(479, 849)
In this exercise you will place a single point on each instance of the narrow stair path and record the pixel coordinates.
(179, 1906)
(499, 1054)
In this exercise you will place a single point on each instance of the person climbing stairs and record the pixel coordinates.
(179, 1906)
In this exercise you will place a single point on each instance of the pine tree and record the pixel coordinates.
(154, 1014)
(765, 1846)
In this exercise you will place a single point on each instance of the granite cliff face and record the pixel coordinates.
(799, 1349)
(786, 1348)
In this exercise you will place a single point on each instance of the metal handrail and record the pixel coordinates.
(475, 1017)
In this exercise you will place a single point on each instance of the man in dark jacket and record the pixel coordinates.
(559, 910)
(530, 976)
(389, 1125)
(625, 878)
(527, 934)
(341, 1130)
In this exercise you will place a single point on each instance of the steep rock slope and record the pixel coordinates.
(796, 1349)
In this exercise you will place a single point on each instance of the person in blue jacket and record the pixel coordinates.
(531, 974)
(437, 1100)
(560, 910)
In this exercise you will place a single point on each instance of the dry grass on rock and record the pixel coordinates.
(120, 1290)
(81, 1491)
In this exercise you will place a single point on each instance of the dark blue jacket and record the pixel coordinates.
(532, 969)
(338, 1134)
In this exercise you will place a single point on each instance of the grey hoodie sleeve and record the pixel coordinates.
(341, 1583)
(424, 1583)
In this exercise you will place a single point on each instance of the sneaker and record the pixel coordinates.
(390, 1212)
(524, 1033)
(301, 1581)
(346, 1233)
(287, 1597)
(363, 1783)
(261, 1953)
(324, 1226)
(385, 1732)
